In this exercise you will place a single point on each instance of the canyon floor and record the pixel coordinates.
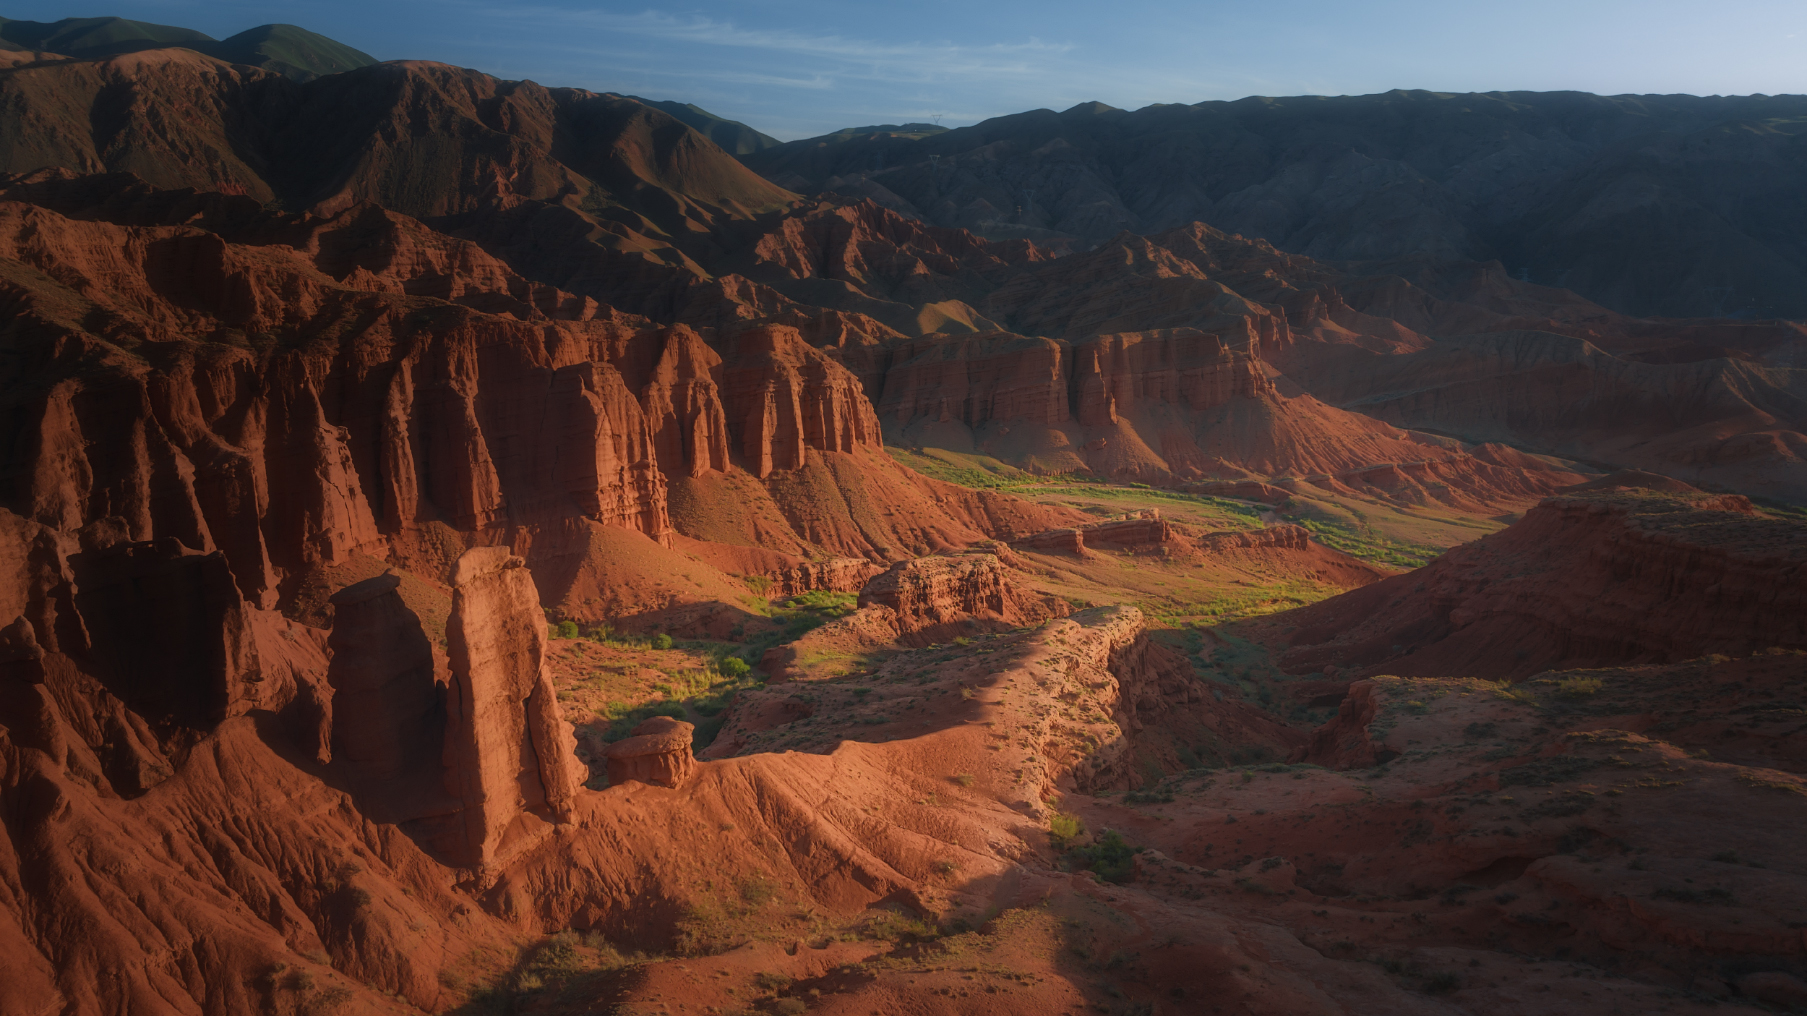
(1139, 811)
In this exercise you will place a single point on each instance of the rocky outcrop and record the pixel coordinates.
(837, 575)
(656, 752)
(1345, 742)
(509, 754)
(1590, 579)
(915, 603)
(1144, 528)
(930, 595)
(1065, 540)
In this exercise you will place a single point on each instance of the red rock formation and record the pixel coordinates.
(389, 716)
(1066, 540)
(508, 751)
(1588, 579)
(785, 397)
(1146, 528)
(838, 575)
(928, 594)
(1344, 742)
(657, 752)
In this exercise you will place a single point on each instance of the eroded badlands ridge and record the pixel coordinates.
(1585, 579)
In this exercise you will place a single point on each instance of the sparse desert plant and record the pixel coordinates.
(1506, 691)
(1579, 687)
(768, 981)
(1111, 858)
(661, 641)
(1065, 828)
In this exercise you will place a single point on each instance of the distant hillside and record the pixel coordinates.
(294, 52)
(732, 135)
(1675, 205)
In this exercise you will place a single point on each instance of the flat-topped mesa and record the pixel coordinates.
(657, 752)
(509, 754)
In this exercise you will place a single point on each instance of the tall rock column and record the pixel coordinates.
(510, 757)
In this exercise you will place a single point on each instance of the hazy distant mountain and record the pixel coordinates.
(1675, 204)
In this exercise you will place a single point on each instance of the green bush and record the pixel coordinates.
(661, 641)
(565, 630)
(1579, 687)
(1111, 858)
(1065, 828)
(733, 666)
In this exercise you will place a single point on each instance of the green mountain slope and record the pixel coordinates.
(733, 136)
(293, 52)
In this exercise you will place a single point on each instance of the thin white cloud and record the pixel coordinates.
(855, 58)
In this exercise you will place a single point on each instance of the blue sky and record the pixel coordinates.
(797, 68)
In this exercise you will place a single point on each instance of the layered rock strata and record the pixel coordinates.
(509, 754)
(928, 594)
(656, 752)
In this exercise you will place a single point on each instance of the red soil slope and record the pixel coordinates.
(1586, 579)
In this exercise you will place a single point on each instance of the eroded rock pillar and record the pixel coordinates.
(509, 753)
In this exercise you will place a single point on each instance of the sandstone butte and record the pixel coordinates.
(324, 400)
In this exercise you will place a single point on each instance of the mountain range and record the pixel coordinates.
(474, 546)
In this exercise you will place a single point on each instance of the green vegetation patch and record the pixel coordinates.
(1111, 858)
(1370, 546)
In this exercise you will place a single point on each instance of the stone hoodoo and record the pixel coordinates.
(658, 752)
(389, 719)
(509, 753)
